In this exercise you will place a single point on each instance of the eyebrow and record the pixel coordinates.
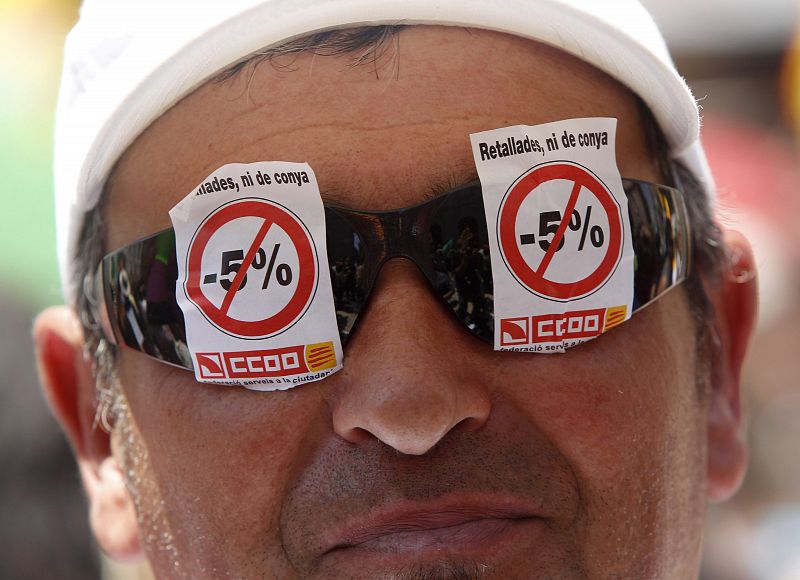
(449, 182)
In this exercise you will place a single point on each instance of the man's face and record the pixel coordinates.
(429, 451)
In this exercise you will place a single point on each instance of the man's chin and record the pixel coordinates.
(443, 569)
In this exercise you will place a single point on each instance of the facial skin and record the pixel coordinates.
(429, 451)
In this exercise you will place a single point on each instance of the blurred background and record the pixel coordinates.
(742, 59)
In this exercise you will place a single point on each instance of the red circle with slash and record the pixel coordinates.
(271, 213)
(536, 280)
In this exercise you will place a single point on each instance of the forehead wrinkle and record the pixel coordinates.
(337, 191)
(349, 126)
(338, 184)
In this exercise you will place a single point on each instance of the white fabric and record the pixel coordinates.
(126, 62)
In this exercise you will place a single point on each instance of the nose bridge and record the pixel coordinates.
(391, 236)
(404, 382)
(397, 233)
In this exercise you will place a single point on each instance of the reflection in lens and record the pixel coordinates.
(349, 278)
(459, 266)
(141, 281)
(659, 224)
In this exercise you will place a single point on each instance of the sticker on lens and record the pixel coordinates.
(258, 307)
(562, 256)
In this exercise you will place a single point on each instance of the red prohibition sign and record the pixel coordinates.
(535, 280)
(272, 214)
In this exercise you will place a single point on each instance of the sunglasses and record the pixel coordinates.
(446, 237)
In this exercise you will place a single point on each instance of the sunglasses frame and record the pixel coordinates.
(124, 286)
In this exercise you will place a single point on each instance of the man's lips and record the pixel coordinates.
(453, 523)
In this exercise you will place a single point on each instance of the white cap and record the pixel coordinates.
(126, 62)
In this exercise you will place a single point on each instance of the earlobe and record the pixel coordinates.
(69, 388)
(112, 514)
(735, 305)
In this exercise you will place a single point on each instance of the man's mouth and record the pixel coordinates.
(463, 525)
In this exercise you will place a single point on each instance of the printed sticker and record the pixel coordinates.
(560, 236)
(253, 280)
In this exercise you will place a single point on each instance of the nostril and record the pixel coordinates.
(356, 436)
(470, 424)
(411, 442)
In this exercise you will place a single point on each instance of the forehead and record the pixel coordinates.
(378, 135)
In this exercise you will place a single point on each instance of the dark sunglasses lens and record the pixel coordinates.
(460, 268)
(661, 239)
(139, 283)
(346, 259)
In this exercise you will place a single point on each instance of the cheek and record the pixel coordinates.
(625, 412)
(217, 459)
(604, 399)
(630, 388)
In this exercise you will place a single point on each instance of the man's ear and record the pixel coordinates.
(69, 388)
(735, 305)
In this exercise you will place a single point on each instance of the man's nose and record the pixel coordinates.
(408, 379)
